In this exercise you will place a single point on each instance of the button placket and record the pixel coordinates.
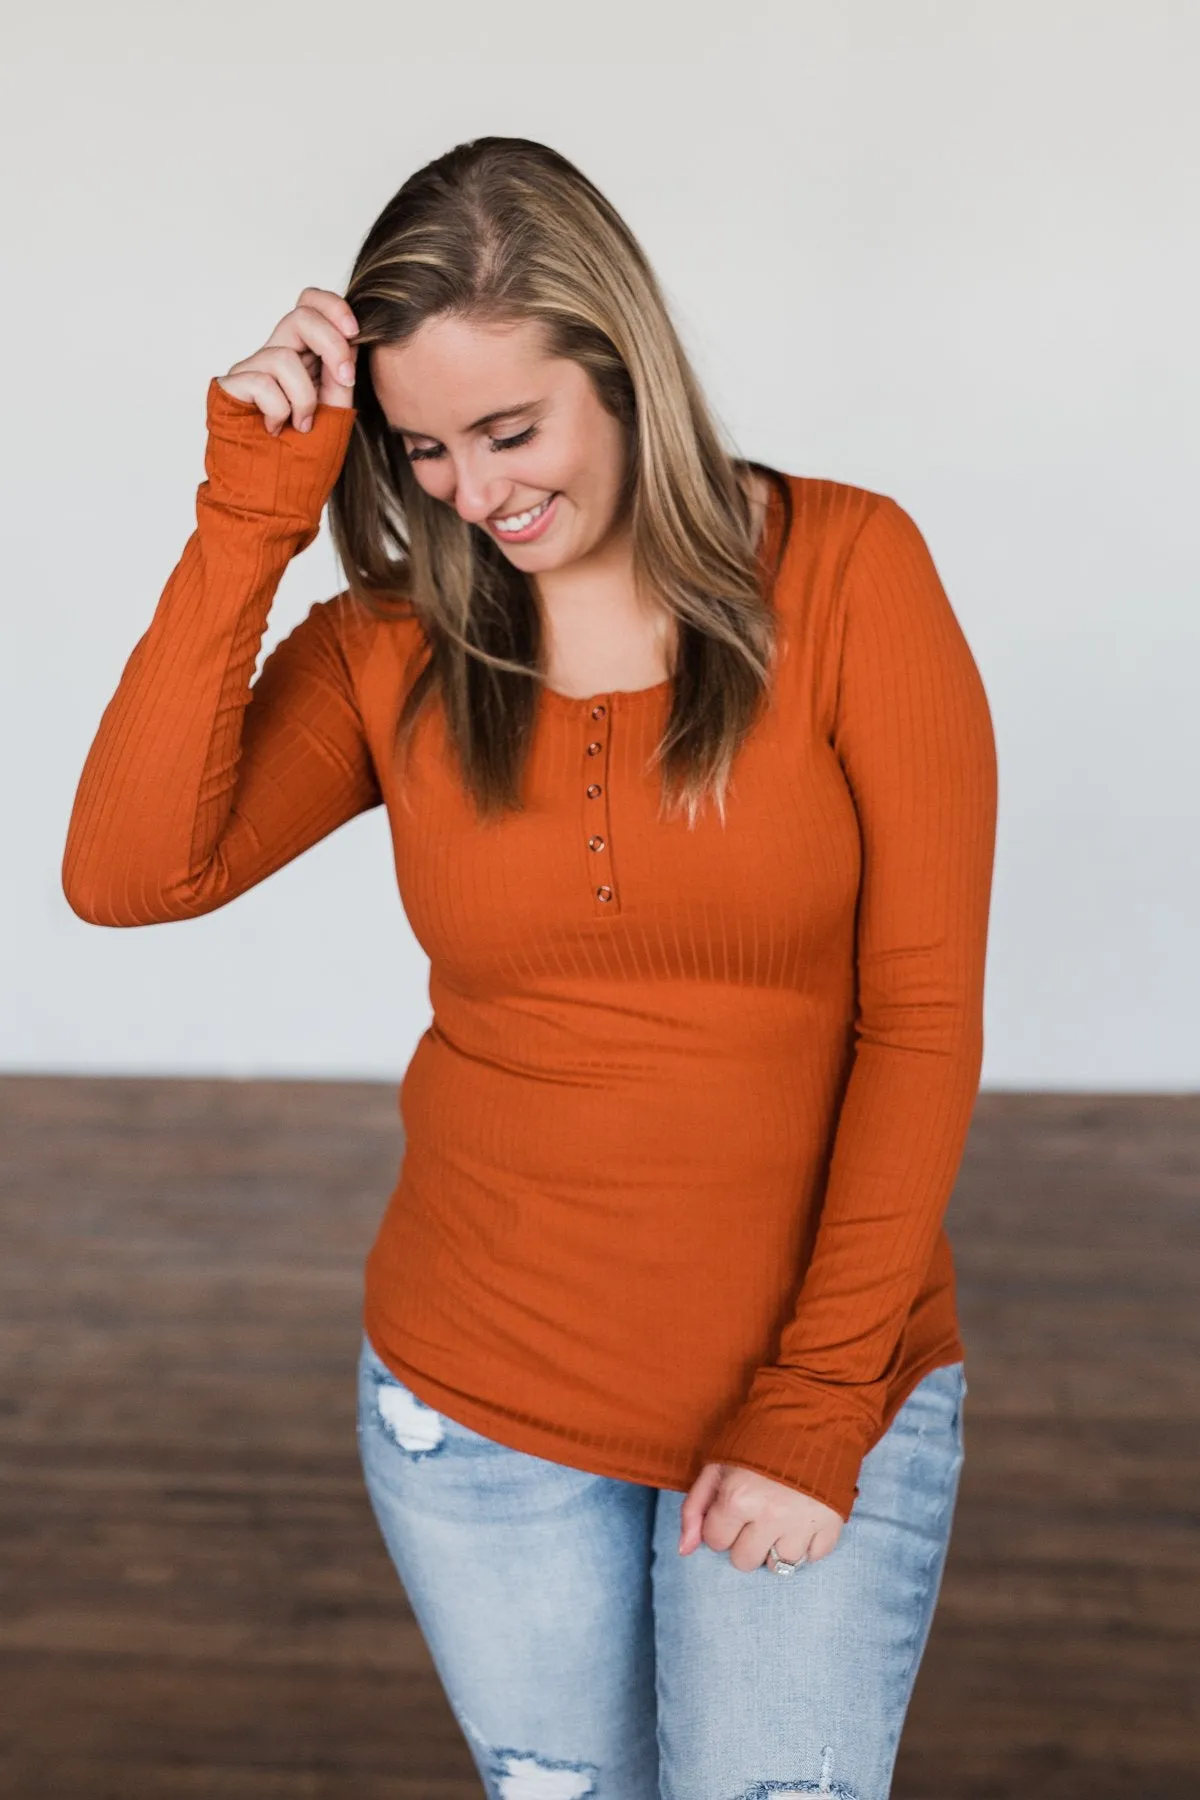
(597, 821)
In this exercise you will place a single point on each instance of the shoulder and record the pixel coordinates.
(822, 522)
(854, 568)
(850, 546)
(829, 517)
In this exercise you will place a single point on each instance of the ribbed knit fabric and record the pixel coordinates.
(681, 1135)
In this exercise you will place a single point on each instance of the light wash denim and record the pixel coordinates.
(584, 1657)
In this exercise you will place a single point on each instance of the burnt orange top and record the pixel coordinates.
(681, 1135)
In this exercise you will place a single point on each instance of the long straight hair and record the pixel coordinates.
(496, 231)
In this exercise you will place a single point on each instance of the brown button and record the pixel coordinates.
(595, 843)
(594, 791)
(598, 712)
(604, 893)
(594, 749)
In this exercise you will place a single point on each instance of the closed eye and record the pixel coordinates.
(512, 443)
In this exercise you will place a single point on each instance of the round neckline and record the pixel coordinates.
(631, 696)
(607, 697)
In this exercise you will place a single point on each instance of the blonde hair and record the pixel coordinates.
(496, 231)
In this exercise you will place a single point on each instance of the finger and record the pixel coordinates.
(317, 348)
(259, 386)
(339, 365)
(824, 1542)
(749, 1548)
(336, 309)
(314, 304)
(788, 1549)
(327, 323)
(337, 380)
(309, 331)
(322, 324)
(692, 1512)
(733, 1507)
(289, 371)
(752, 1549)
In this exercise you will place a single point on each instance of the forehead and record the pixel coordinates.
(452, 371)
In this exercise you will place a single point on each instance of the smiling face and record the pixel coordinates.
(497, 429)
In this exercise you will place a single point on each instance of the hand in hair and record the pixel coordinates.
(307, 361)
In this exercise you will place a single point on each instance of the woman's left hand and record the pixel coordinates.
(743, 1512)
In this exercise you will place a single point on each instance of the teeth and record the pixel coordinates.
(519, 521)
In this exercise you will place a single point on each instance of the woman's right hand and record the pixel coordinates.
(307, 361)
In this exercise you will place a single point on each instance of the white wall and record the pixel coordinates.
(946, 251)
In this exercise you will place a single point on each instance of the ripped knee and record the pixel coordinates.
(521, 1775)
(785, 1790)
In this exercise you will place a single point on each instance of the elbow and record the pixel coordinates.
(96, 896)
(79, 887)
(920, 1003)
(86, 881)
(88, 899)
(100, 894)
(109, 877)
(948, 1030)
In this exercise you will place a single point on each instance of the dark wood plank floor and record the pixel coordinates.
(195, 1601)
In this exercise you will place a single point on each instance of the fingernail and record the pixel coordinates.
(346, 374)
(306, 424)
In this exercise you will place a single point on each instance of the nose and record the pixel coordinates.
(476, 496)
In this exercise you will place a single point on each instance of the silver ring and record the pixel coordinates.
(777, 1565)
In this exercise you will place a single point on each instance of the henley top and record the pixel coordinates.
(680, 1137)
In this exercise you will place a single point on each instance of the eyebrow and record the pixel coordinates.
(501, 412)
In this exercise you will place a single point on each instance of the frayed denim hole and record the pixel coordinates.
(407, 1422)
(782, 1790)
(523, 1775)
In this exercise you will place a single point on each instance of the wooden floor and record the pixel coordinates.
(195, 1601)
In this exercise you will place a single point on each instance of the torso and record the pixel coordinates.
(639, 658)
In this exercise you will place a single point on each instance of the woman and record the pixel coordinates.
(691, 782)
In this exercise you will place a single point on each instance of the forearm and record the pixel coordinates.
(914, 737)
(154, 799)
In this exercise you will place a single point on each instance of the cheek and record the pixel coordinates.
(591, 470)
(577, 477)
(433, 479)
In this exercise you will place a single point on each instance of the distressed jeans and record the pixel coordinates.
(583, 1656)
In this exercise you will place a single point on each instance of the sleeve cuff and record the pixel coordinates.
(814, 1456)
(290, 476)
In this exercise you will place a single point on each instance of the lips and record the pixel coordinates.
(536, 525)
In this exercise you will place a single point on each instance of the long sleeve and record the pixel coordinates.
(913, 734)
(201, 782)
